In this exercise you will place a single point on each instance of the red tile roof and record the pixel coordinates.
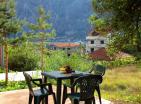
(100, 54)
(63, 45)
(93, 33)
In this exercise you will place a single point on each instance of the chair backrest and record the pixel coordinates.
(98, 70)
(87, 85)
(28, 80)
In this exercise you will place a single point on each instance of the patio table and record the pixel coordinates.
(59, 76)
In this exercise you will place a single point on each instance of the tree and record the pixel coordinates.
(9, 25)
(41, 31)
(120, 17)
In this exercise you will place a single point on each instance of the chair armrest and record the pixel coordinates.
(49, 89)
(35, 81)
(43, 85)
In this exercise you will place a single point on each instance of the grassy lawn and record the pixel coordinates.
(12, 85)
(123, 85)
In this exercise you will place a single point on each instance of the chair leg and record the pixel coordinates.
(46, 100)
(88, 101)
(54, 98)
(30, 99)
(64, 95)
(94, 100)
(75, 101)
(37, 100)
(99, 95)
(63, 101)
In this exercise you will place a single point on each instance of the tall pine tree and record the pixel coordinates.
(41, 31)
(120, 17)
(9, 25)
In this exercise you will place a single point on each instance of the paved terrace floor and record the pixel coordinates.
(21, 96)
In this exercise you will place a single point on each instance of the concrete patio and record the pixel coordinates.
(21, 97)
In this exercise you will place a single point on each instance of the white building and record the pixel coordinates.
(95, 41)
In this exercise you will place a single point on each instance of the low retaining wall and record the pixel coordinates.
(18, 76)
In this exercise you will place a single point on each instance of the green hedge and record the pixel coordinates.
(23, 58)
(14, 85)
(117, 62)
(57, 59)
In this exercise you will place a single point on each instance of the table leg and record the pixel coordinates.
(71, 82)
(58, 91)
(44, 79)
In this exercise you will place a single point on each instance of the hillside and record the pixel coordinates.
(69, 17)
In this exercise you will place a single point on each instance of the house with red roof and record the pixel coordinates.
(102, 54)
(95, 47)
(69, 47)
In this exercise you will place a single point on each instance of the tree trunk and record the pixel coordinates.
(42, 61)
(42, 52)
(6, 63)
(138, 34)
(138, 43)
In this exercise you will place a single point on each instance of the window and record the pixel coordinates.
(92, 41)
(102, 41)
(68, 54)
(68, 48)
(63, 48)
(92, 49)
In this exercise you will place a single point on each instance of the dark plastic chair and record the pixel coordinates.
(40, 94)
(87, 85)
(98, 70)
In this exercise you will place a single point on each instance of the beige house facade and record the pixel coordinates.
(95, 41)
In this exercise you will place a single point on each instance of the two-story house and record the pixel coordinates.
(95, 41)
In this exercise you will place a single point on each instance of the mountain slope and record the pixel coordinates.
(69, 17)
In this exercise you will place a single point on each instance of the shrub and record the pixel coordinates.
(58, 59)
(2, 70)
(12, 85)
(117, 62)
(23, 58)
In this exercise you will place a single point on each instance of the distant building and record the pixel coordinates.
(101, 54)
(68, 47)
(95, 41)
